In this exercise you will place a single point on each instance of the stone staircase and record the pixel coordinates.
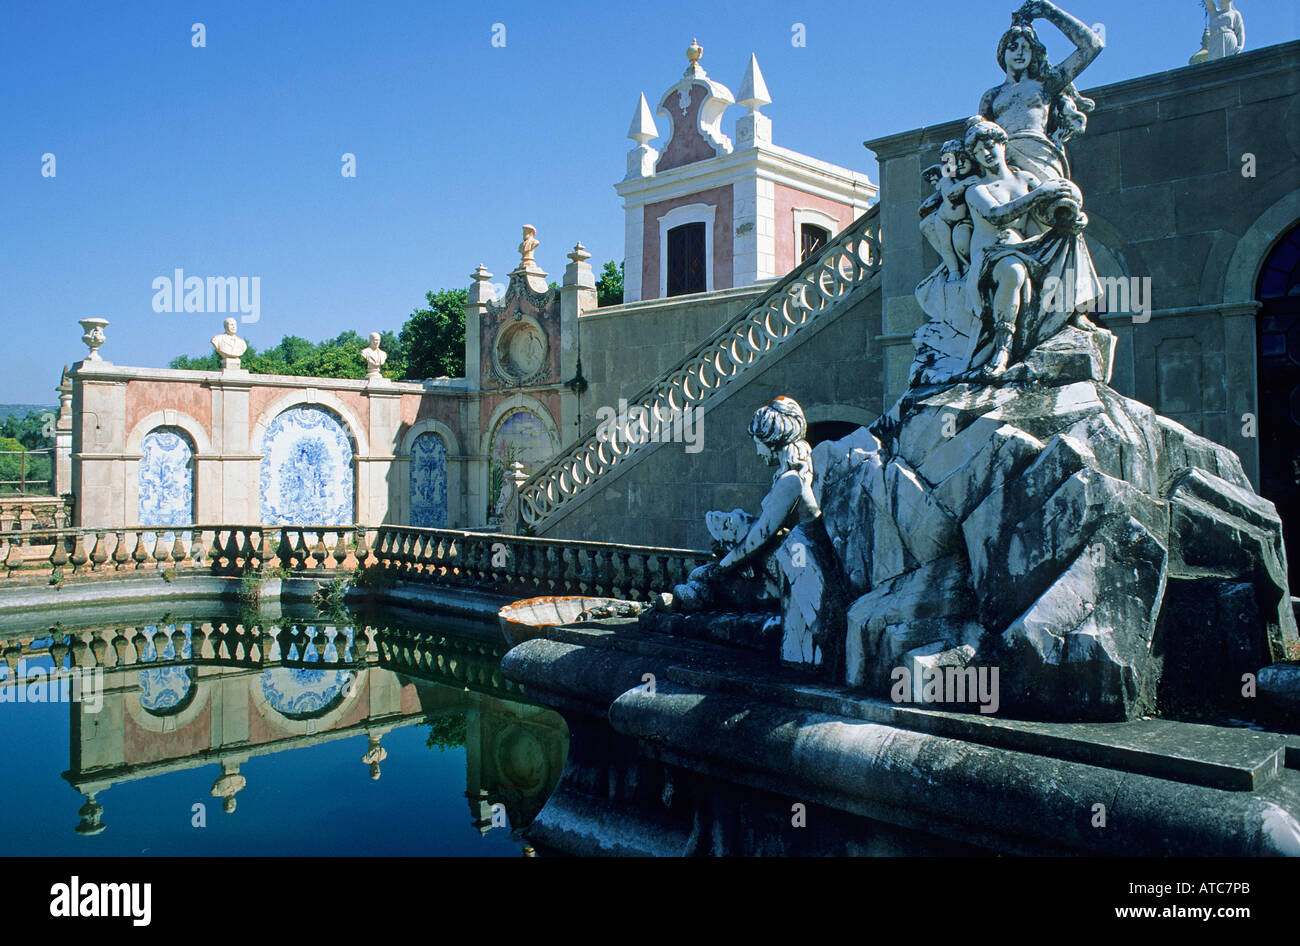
(846, 270)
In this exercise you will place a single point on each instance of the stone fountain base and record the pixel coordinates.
(685, 747)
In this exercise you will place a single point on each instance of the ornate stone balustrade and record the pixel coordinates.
(527, 566)
(848, 263)
(510, 564)
(219, 550)
(34, 512)
(230, 644)
(424, 655)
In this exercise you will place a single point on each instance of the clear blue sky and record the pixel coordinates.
(225, 160)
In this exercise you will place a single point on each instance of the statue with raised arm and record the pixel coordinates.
(1038, 105)
(1226, 28)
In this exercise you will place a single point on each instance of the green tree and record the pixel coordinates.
(28, 430)
(433, 339)
(609, 287)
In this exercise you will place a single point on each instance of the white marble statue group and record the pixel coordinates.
(1005, 217)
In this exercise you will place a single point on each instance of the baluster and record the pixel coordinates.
(117, 641)
(120, 558)
(216, 553)
(551, 556)
(138, 555)
(309, 559)
(363, 553)
(98, 649)
(178, 551)
(283, 550)
(160, 551)
(79, 652)
(634, 588)
(59, 554)
(334, 559)
(14, 557)
(99, 554)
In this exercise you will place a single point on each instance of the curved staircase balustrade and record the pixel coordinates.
(848, 263)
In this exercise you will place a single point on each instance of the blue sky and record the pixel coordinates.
(225, 160)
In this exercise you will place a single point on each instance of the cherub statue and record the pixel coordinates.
(948, 226)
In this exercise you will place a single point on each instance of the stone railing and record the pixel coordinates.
(425, 655)
(34, 512)
(220, 550)
(848, 263)
(528, 567)
(510, 564)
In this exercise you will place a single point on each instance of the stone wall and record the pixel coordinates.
(177, 447)
(660, 497)
(625, 347)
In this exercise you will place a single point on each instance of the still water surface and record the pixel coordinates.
(211, 734)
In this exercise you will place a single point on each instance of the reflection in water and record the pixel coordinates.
(182, 695)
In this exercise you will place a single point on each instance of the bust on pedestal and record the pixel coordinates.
(230, 347)
(374, 357)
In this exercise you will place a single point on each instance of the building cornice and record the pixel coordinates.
(765, 162)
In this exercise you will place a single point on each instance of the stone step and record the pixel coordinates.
(1234, 759)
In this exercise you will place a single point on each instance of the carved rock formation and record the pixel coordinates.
(1104, 558)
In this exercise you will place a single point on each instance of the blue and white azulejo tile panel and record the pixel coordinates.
(166, 479)
(306, 475)
(429, 482)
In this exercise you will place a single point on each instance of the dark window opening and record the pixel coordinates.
(686, 260)
(812, 239)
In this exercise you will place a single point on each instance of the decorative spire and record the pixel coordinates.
(643, 127)
(753, 90)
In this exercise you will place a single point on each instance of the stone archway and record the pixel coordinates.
(1277, 326)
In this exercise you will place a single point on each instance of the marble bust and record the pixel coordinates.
(229, 346)
(374, 356)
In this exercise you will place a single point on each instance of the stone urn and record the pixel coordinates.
(93, 337)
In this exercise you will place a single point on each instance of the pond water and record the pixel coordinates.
(209, 733)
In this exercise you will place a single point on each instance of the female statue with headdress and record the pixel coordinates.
(1038, 104)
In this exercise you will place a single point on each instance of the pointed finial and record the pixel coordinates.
(753, 90)
(643, 127)
(579, 253)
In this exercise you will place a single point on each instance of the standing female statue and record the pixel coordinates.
(1227, 30)
(1038, 104)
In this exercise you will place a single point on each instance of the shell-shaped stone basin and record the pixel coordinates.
(527, 619)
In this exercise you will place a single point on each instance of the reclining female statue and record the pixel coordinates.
(778, 430)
